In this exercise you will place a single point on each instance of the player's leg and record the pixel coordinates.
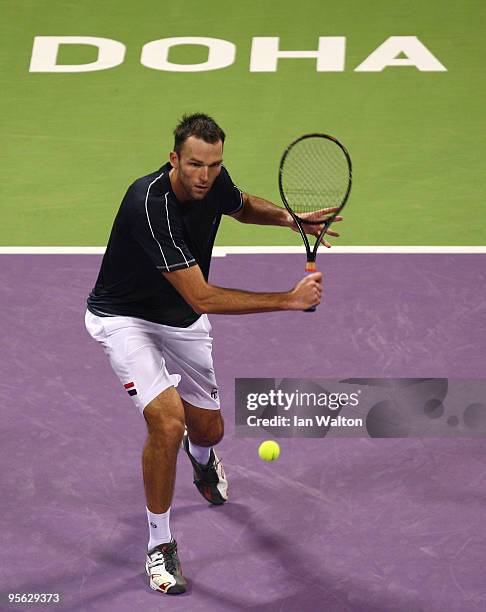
(164, 417)
(189, 352)
(132, 348)
(205, 429)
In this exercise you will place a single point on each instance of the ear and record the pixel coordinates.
(174, 159)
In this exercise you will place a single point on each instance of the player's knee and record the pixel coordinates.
(167, 430)
(209, 434)
(218, 432)
(165, 425)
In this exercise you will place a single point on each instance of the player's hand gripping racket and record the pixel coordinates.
(315, 174)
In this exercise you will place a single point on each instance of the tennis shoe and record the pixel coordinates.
(209, 479)
(164, 569)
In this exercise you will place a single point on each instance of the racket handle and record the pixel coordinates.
(310, 268)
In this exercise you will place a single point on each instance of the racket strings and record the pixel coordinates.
(315, 175)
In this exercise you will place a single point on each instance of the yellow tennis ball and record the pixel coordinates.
(269, 450)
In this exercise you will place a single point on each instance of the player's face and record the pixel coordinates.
(197, 166)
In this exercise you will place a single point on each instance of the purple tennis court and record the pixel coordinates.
(336, 524)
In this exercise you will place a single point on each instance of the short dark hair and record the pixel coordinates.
(199, 125)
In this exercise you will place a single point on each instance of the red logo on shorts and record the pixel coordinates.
(130, 387)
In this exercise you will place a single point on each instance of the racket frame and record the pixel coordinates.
(312, 254)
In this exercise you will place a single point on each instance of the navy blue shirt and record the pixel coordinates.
(153, 233)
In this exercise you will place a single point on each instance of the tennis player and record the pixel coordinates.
(149, 310)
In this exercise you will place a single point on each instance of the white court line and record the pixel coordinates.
(222, 251)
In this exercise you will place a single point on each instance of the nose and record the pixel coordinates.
(204, 174)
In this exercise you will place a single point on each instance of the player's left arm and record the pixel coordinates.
(262, 212)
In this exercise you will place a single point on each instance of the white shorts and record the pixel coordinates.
(150, 357)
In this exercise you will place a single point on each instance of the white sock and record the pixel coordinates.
(200, 453)
(159, 529)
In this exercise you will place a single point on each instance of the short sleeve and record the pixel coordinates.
(231, 197)
(158, 231)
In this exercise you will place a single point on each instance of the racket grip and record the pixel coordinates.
(310, 267)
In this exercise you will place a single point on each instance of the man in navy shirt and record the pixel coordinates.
(149, 309)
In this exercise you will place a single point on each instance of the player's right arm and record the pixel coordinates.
(206, 298)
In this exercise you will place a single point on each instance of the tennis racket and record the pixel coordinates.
(315, 173)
